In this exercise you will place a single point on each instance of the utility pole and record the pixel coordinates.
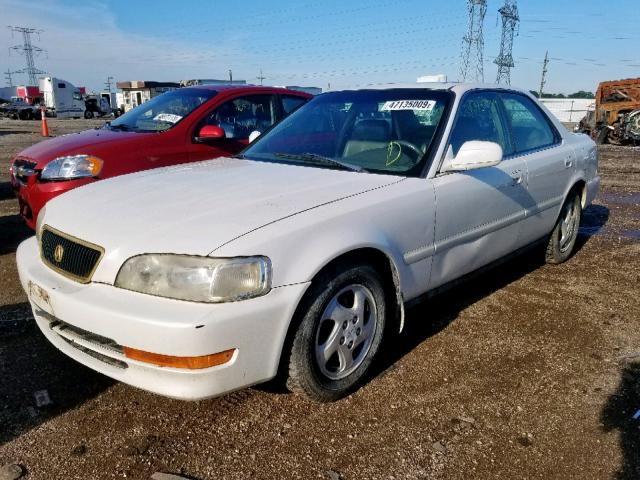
(261, 77)
(108, 84)
(510, 20)
(543, 81)
(472, 58)
(28, 50)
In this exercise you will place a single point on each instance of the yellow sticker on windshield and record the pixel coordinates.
(424, 105)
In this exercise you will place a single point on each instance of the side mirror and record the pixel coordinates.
(209, 133)
(253, 135)
(473, 155)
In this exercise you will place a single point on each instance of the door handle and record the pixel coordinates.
(568, 162)
(516, 178)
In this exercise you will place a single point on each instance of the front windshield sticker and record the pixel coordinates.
(423, 105)
(167, 117)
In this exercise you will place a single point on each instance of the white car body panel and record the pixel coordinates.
(203, 216)
(432, 230)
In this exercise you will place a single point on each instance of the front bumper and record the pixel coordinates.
(101, 316)
(34, 195)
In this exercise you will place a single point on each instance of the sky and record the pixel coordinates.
(324, 43)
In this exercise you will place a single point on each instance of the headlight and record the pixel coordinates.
(198, 279)
(39, 222)
(74, 166)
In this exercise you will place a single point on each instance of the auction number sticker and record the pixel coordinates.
(167, 117)
(424, 105)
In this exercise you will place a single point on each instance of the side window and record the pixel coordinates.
(241, 116)
(289, 104)
(530, 127)
(479, 118)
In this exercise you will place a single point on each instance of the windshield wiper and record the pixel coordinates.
(321, 159)
(122, 127)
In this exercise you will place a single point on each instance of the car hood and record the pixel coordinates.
(75, 143)
(196, 208)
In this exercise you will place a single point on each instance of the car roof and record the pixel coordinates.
(241, 88)
(457, 87)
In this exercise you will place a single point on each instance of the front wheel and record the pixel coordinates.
(340, 333)
(565, 233)
(88, 114)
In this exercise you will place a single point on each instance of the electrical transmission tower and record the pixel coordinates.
(29, 51)
(8, 76)
(543, 81)
(510, 20)
(472, 63)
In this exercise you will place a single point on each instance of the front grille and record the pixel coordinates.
(23, 169)
(69, 256)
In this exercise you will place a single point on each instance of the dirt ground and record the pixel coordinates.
(528, 371)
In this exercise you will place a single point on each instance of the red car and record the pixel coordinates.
(184, 125)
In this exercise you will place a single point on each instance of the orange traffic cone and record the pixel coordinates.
(43, 117)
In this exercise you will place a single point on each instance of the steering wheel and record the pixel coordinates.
(417, 153)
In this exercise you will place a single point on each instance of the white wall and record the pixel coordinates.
(568, 109)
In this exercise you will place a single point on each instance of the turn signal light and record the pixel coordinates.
(191, 363)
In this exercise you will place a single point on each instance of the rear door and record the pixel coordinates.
(478, 212)
(550, 163)
(238, 117)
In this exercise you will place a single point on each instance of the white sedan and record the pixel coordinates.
(299, 255)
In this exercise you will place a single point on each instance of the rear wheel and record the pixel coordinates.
(340, 333)
(565, 233)
(88, 114)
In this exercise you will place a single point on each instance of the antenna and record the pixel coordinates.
(28, 50)
(543, 81)
(261, 77)
(510, 20)
(472, 62)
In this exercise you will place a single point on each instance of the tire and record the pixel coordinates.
(333, 322)
(565, 233)
(24, 114)
(88, 114)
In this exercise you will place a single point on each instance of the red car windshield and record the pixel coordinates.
(162, 112)
(381, 131)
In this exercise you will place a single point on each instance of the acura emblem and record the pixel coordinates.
(58, 253)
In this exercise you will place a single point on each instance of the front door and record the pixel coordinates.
(238, 117)
(478, 212)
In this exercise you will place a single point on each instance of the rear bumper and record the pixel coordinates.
(103, 318)
(593, 187)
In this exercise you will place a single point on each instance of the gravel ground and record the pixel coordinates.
(528, 371)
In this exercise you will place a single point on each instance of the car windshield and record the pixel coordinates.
(379, 131)
(162, 112)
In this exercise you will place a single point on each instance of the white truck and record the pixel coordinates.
(61, 98)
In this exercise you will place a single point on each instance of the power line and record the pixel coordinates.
(28, 50)
(473, 42)
(510, 20)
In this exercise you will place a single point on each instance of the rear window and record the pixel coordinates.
(530, 128)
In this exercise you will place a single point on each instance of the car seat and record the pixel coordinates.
(368, 135)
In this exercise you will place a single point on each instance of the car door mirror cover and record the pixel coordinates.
(209, 133)
(476, 154)
(253, 135)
